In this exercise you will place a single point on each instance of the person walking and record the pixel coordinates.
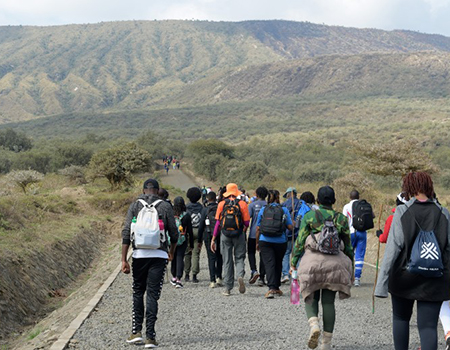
(254, 208)
(383, 235)
(419, 216)
(232, 222)
(205, 233)
(292, 203)
(271, 240)
(185, 240)
(324, 268)
(359, 238)
(192, 258)
(149, 265)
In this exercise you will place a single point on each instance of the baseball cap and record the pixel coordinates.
(326, 195)
(151, 183)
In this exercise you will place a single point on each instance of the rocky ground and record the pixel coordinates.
(198, 317)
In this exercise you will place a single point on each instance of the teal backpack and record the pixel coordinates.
(181, 233)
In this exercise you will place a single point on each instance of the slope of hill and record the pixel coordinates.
(129, 65)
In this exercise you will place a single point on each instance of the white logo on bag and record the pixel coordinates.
(429, 251)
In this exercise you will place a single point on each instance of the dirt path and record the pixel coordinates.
(178, 179)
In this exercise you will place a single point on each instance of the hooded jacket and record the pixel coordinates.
(394, 277)
(164, 210)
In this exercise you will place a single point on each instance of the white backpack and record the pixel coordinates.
(145, 232)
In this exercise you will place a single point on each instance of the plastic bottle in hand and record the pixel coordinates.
(295, 289)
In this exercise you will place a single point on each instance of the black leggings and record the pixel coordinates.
(177, 266)
(427, 321)
(251, 252)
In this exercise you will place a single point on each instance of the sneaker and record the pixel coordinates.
(261, 282)
(285, 279)
(179, 285)
(212, 285)
(241, 285)
(270, 294)
(357, 282)
(447, 341)
(186, 278)
(150, 344)
(173, 281)
(219, 282)
(253, 277)
(278, 292)
(226, 292)
(194, 279)
(135, 338)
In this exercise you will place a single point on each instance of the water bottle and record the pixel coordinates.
(295, 289)
(161, 224)
(133, 224)
(208, 223)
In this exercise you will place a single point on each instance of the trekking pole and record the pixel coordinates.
(293, 226)
(378, 260)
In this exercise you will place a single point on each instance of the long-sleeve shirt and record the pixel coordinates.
(311, 224)
(387, 227)
(244, 211)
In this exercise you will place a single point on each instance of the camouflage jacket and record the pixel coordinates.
(310, 224)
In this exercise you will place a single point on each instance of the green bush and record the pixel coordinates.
(14, 141)
(24, 178)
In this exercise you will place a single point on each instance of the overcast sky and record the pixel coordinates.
(430, 16)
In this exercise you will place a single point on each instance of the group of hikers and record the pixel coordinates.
(170, 160)
(301, 237)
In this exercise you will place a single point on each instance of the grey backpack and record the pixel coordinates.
(327, 240)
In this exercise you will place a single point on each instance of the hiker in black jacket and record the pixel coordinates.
(149, 265)
(205, 233)
(192, 258)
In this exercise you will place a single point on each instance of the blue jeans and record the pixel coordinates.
(359, 243)
(287, 259)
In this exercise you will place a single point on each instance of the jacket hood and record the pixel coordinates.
(194, 207)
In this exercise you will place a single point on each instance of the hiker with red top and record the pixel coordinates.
(232, 222)
(416, 262)
(271, 240)
(326, 265)
(383, 235)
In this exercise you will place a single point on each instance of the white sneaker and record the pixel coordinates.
(212, 285)
(285, 279)
(219, 282)
(357, 282)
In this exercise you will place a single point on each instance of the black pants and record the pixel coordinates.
(148, 276)
(272, 255)
(177, 264)
(215, 261)
(427, 321)
(251, 252)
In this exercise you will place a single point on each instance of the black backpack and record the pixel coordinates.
(231, 218)
(362, 215)
(426, 256)
(210, 220)
(327, 240)
(272, 221)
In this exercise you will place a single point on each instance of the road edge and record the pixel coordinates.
(66, 336)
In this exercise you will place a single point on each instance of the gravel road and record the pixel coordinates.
(198, 317)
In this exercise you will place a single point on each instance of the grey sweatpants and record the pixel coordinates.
(227, 245)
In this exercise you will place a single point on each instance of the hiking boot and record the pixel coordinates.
(357, 282)
(270, 294)
(226, 292)
(326, 341)
(173, 281)
(278, 292)
(179, 285)
(212, 285)
(186, 278)
(219, 282)
(253, 277)
(135, 338)
(150, 344)
(261, 282)
(285, 279)
(241, 285)
(314, 333)
(194, 279)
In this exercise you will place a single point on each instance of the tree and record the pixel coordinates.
(14, 141)
(119, 164)
(201, 148)
(24, 178)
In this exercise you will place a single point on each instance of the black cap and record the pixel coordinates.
(326, 196)
(151, 183)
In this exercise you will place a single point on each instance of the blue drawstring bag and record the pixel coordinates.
(426, 256)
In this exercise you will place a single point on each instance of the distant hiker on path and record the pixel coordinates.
(383, 235)
(420, 226)
(185, 240)
(149, 264)
(254, 209)
(192, 258)
(359, 237)
(232, 222)
(324, 268)
(271, 240)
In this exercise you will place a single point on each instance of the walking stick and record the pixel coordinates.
(293, 226)
(378, 260)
